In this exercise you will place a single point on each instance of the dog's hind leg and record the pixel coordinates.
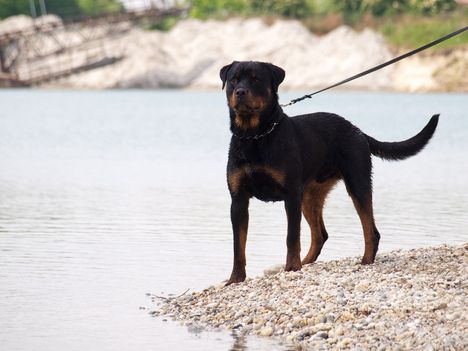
(312, 209)
(371, 234)
(357, 176)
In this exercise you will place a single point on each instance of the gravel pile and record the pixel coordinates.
(192, 53)
(407, 300)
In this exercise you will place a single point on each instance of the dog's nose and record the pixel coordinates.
(240, 92)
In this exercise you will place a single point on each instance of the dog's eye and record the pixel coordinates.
(256, 79)
(234, 80)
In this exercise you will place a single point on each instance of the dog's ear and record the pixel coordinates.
(277, 75)
(224, 71)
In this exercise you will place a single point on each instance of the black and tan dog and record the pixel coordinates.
(297, 160)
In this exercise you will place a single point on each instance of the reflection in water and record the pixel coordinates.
(110, 195)
(240, 342)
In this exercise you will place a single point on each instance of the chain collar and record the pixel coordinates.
(258, 136)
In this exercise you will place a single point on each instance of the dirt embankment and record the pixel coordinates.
(191, 54)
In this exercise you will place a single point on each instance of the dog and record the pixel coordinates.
(298, 160)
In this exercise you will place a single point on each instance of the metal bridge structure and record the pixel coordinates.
(46, 48)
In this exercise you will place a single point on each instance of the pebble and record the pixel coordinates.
(321, 335)
(407, 300)
(267, 331)
(453, 316)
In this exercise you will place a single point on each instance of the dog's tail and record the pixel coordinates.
(404, 149)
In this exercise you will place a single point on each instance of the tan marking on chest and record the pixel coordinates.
(247, 122)
(278, 176)
(236, 177)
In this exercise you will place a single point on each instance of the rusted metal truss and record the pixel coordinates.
(49, 50)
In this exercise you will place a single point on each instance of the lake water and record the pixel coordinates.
(107, 196)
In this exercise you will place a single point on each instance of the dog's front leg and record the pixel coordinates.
(293, 241)
(240, 222)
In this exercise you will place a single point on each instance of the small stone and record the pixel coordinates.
(347, 316)
(267, 331)
(440, 306)
(362, 286)
(239, 314)
(298, 321)
(453, 316)
(345, 342)
(330, 319)
(322, 327)
(405, 335)
(321, 335)
(273, 269)
(257, 326)
(338, 331)
(247, 320)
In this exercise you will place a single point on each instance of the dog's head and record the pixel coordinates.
(251, 87)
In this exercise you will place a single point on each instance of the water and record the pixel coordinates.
(105, 196)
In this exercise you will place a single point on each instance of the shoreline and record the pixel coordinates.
(407, 300)
(191, 54)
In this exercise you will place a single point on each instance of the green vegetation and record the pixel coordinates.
(411, 31)
(204, 9)
(10, 7)
(350, 10)
(354, 10)
(405, 23)
(97, 7)
(164, 25)
(63, 8)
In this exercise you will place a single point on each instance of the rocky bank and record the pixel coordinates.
(407, 300)
(191, 54)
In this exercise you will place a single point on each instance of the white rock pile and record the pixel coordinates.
(407, 300)
(193, 52)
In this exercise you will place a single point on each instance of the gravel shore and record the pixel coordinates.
(407, 300)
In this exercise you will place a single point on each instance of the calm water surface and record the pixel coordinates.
(106, 196)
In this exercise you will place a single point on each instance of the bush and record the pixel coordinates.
(353, 10)
(223, 8)
(62, 8)
(411, 31)
(214, 8)
(12, 7)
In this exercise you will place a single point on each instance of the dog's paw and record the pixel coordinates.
(308, 260)
(293, 265)
(236, 277)
(367, 260)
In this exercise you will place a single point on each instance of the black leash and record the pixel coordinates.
(382, 65)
